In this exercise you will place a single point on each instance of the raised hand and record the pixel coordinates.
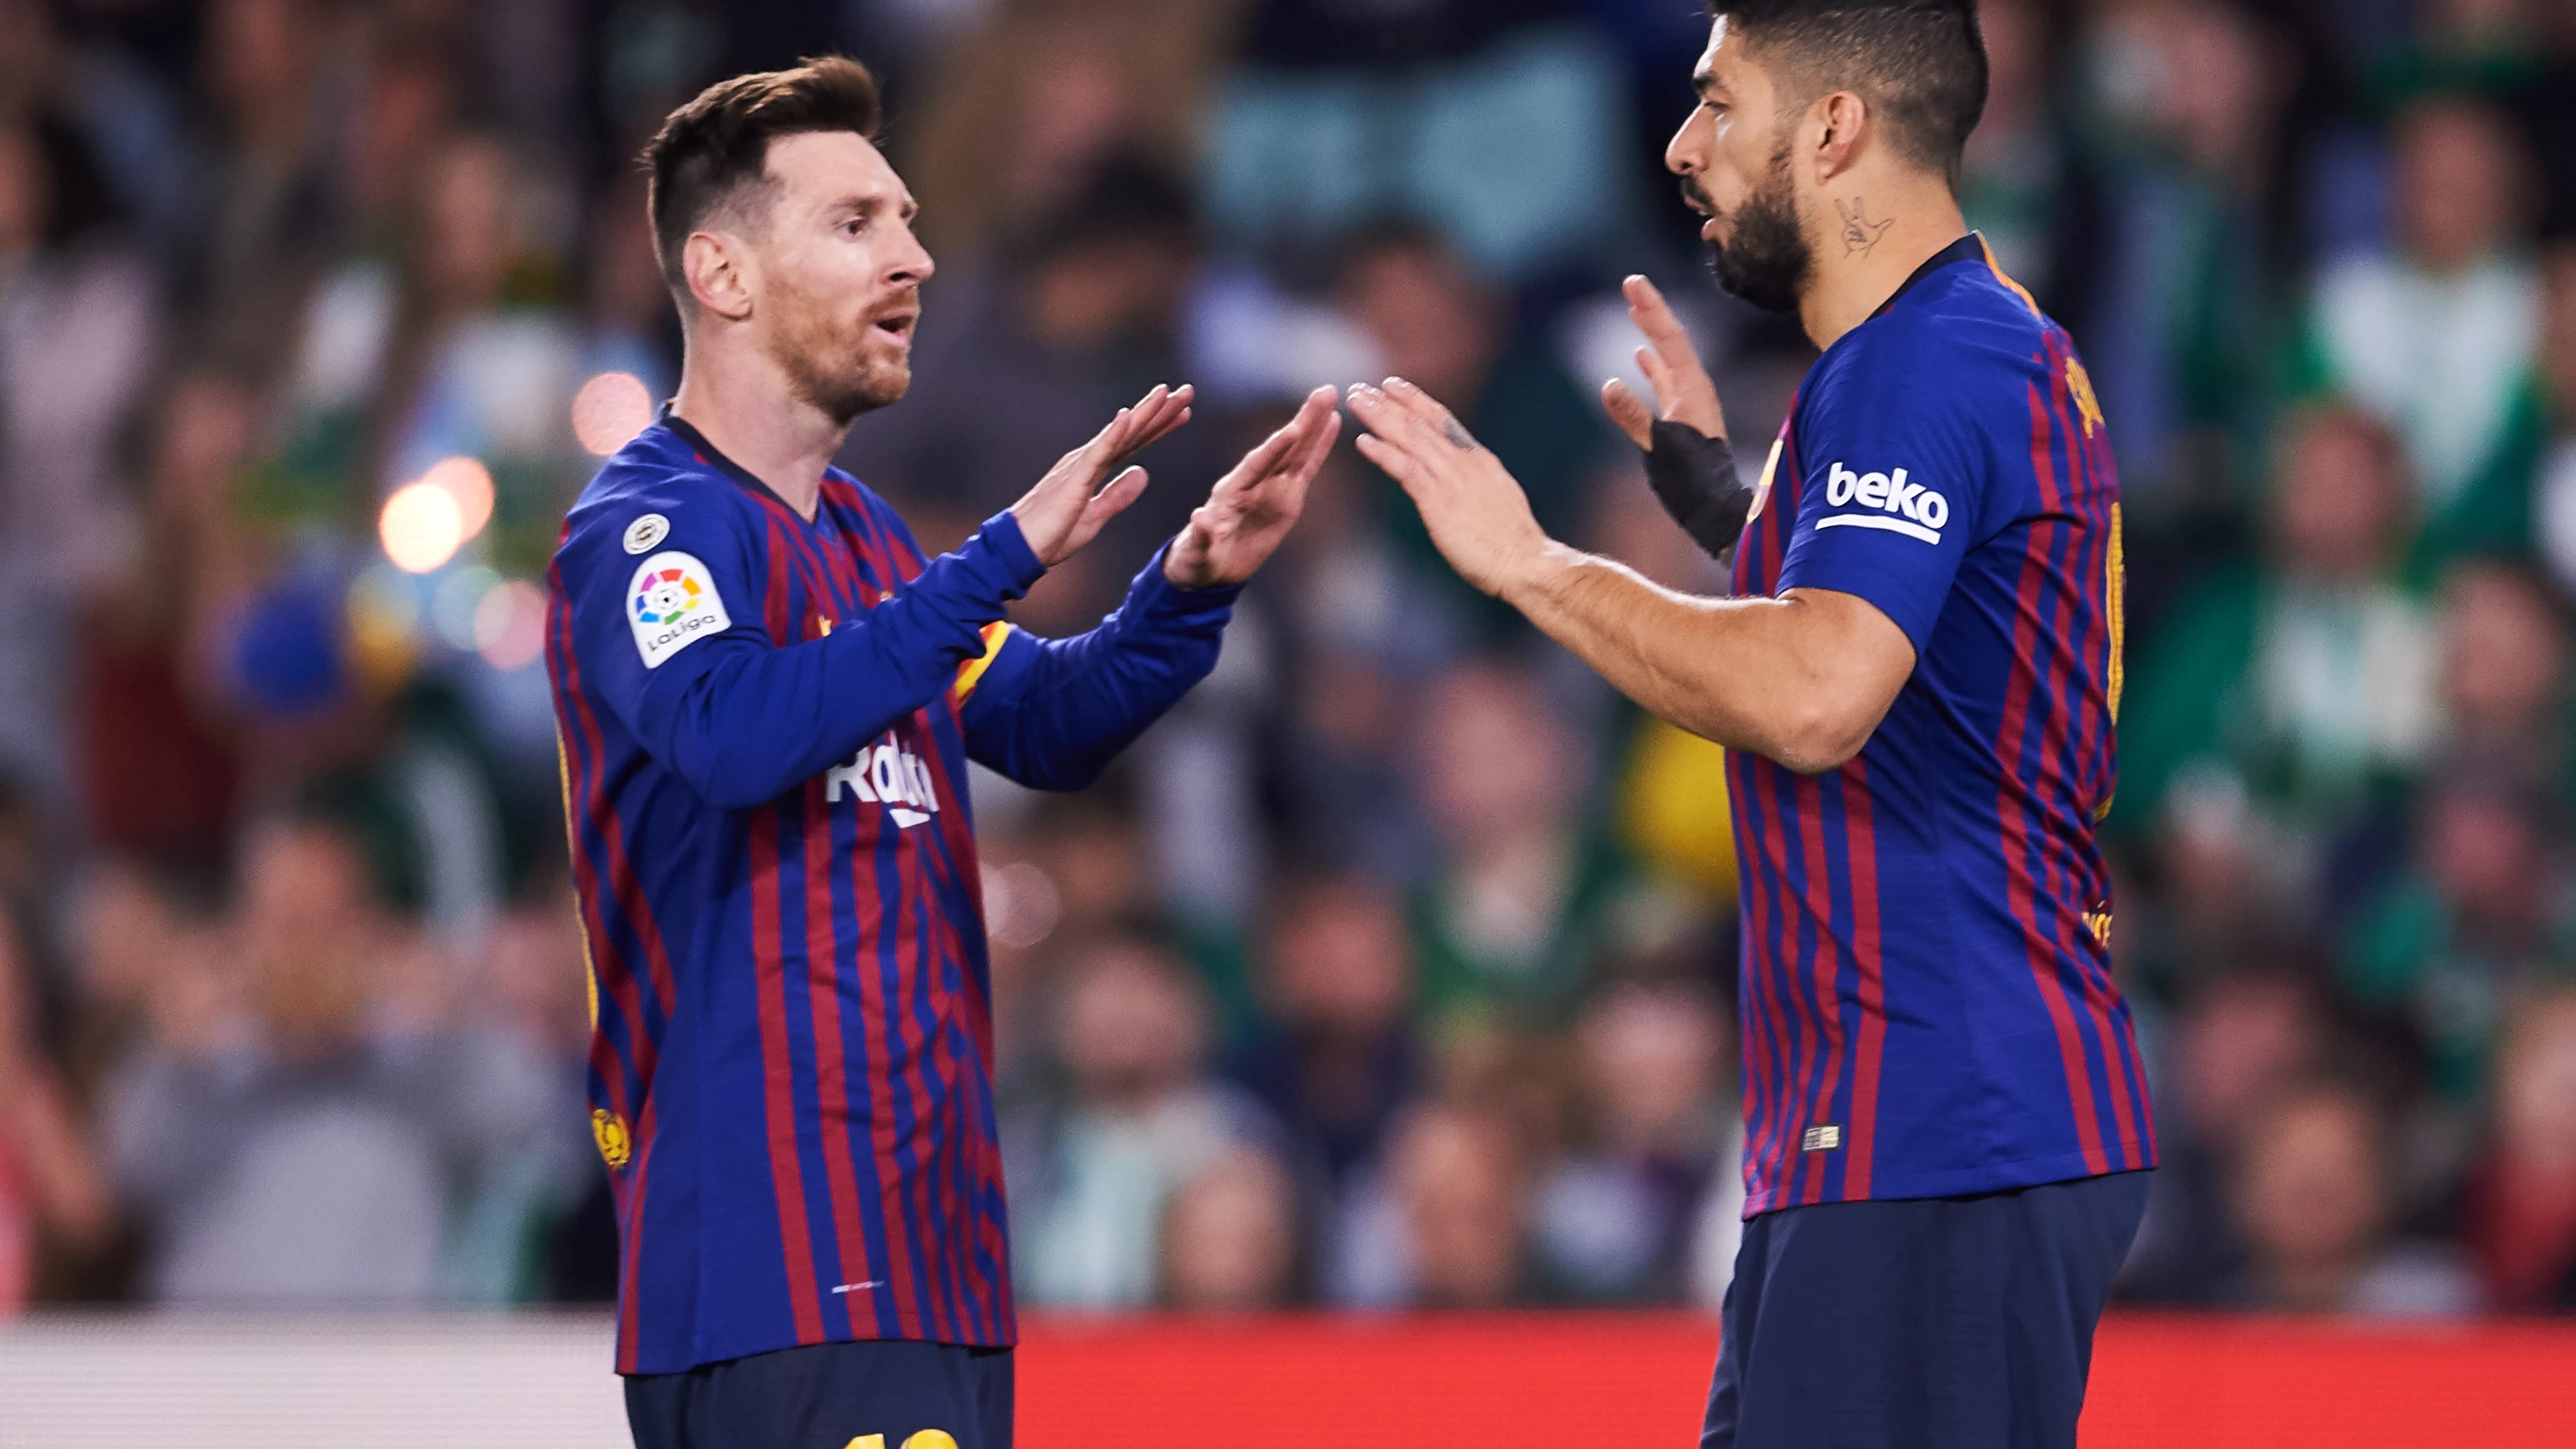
(1252, 508)
(1672, 368)
(1689, 462)
(1473, 507)
(1069, 506)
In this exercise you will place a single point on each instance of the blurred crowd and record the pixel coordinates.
(1396, 968)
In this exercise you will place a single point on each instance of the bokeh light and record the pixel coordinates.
(1021, 904)
(609, 411)
(470, 484)
(456, 605)
(421, 526)
(510, 625)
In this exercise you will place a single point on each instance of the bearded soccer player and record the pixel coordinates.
(767, 699)
(1947, 1131)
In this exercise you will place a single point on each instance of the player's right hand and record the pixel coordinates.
(1070, 506)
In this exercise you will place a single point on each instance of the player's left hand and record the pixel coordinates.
(1475, 510)
(1251, 509)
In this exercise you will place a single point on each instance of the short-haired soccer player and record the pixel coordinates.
(1947, 1126)
(767, 699)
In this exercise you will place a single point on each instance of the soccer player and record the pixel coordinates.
(767, 698)
(1947, 1126)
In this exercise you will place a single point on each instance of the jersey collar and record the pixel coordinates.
(1971, 247)
(681, 428)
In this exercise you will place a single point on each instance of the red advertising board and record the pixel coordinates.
(1640, 1379)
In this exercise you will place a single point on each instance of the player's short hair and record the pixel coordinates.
(1919, 64)
(713, 153)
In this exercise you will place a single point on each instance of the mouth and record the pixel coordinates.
(898, 326)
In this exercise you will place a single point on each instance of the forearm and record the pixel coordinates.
(1071, 705)
(760, 721)
(1750, 674)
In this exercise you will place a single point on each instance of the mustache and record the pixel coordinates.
(1697, 196)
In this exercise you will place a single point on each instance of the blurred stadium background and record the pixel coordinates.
(1394, 972)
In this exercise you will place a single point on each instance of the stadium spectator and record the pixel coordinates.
(1509, 924)
(1027, 104)
(2309, 681)
(76, 347)
(157, 760)
(1628, 1216)
(1360, 627)
(54, 1196)
(1458, 111)
(1339, 1053)
(1092, 1177)
(1433, 317)
(2024, 185)
(2504, 672)
(2243, 1040)
(2311, 1199)
(298, 1149)
(1230, 1236)
(1460, 1182)
(2437, 337)
(2480, 920)
(2181, 101)
(269, 221)
(525, 1024)
(2522, 1202)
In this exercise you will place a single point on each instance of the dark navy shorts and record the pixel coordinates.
(1964, 1321)
(890, 1395)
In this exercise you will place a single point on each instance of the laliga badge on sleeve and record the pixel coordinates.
(673, 604)
(647, 531)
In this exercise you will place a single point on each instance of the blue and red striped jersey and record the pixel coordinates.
(765, 723)
(1927, 1002)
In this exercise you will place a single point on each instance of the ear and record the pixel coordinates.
(716, 269)
(1844, 120)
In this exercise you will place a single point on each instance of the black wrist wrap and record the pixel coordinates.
(1693, 475)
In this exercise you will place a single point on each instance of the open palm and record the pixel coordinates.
(1071, 505)
(1252, 508)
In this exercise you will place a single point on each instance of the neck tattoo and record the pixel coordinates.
(1860, 234)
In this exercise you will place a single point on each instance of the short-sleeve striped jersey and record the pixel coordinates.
(1927, 1001)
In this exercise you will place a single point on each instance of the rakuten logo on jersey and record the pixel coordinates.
(1907, 508)
(890, 774)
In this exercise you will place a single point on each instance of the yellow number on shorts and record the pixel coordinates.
(926, 1439)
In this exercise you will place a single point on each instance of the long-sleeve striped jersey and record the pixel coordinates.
(1927, 1005)
(765, 724)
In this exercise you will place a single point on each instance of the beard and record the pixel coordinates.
(1765, 260)
(836, 367)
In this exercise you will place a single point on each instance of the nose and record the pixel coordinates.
(1680, 157)
(911, 264)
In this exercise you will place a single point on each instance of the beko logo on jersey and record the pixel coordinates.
(891, 774)
(1907, 508)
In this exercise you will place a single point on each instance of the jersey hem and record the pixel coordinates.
(1963, 1182)
(730, 1352)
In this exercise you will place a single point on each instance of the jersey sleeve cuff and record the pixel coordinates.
(1004, 543)
(1154, 592)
